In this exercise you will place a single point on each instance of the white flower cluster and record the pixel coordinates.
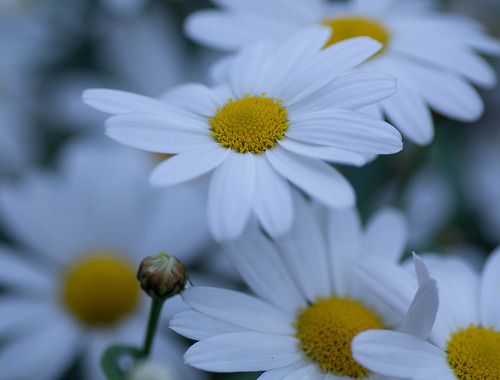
(257, 168)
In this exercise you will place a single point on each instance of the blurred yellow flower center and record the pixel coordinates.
(100, 288)
(347, 27)
(251, 124)
(326, 330)
(474, 353)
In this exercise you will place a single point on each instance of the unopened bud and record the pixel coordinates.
(162, 276)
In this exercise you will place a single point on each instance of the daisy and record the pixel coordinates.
(281, 114)
(309, 302)
(465, 340)
(71, 288)
(432, 55)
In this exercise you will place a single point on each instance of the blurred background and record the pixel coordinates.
(52, 50)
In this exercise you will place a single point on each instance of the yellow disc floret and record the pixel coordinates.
(474, 353)
(100, 288)
(250, 124)
(346, 27)
(326, 329)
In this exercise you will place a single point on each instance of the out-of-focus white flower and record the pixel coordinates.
(18, 143)
(430, 201)
(72, 290)
(277, 119)
(147, 53)
(144, 53)
(465, 339)
(481, 174)
(27, 41)
(310, 302)
(124, 7)
(432, 55)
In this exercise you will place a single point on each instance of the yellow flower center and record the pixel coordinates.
(251, 124)
(100, 288)
(326, 330)
(346, 27)
(474, 353)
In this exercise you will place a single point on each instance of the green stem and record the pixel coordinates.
(154, 315)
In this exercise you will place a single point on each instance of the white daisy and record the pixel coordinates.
(432, 55)
(310, 303)
(278, 118)
(72, 290)
(465, 340)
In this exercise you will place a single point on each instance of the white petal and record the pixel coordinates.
(273, 199)
(304, 251)
(421, 314)
(236, 29)
(407, 109)
(260, 264)
(25, 315)
(325, 66)
(374, 8)
(41, 206)
(346, 129)
(197, 326)
(316, 178)
(344, 244)
(451, 58)
(396, 354)
(386, 234)
(420, 269)
(198, 23)
(117, 102)
(169, 352)
(194, 97)
(157, 133)
(281, 373)
(19, 272)
(350, 91)
(441, 374)
(46, 354)
(239, 309)
(310, 372)
(247, 70)
(490, 286)
(230, 196)
(447, 93)
(292, 52)
(483, 43)
(295, 9)
(92, 356)
(458, 288)
(326, 153)
(242, 352)
(389, 282)
(188, 165)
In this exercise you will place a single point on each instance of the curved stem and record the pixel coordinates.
(154, 315)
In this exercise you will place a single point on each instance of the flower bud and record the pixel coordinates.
(162, 276)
